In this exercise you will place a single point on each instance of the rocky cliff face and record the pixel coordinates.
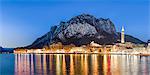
(85, 28)
(79, 30)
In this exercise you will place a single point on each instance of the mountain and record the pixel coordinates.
(10, 50)
(1, 48)
(80, 30)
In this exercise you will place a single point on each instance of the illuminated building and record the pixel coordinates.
(122, 35)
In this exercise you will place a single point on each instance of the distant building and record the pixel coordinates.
(148, 45)
(148, 42)
(77, 49)
(93, 44)
(122, 35)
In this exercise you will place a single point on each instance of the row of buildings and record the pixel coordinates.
(90, 48)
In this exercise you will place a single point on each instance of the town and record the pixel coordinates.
(118, 48)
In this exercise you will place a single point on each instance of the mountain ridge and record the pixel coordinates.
(80, 30)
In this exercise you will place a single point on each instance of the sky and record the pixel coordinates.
(23, 21)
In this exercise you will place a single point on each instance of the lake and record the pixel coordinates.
(73, 64)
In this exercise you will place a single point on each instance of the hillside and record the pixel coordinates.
(81, 30)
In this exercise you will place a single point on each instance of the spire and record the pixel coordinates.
(122, 35)
(122, 28)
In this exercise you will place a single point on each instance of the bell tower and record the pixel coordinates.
(122, 35)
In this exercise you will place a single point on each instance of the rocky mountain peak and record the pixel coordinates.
(83, 18)
(79, 30)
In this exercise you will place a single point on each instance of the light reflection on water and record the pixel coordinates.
(80, 64)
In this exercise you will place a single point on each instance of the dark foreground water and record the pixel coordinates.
(73, 64)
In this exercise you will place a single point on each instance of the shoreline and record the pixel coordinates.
(103, 53)
(142, 51)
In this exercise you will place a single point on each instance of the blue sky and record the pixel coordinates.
(21, 22)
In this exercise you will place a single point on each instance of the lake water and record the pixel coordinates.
(73, 64)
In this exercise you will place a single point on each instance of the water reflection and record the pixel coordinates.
(81, 64)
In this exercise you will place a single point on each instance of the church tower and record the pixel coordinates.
(122, 35)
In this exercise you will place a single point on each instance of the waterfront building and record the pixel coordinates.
(93, 44)
(148, 45)
(77, 50)
(122, 35)
(148, 42)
